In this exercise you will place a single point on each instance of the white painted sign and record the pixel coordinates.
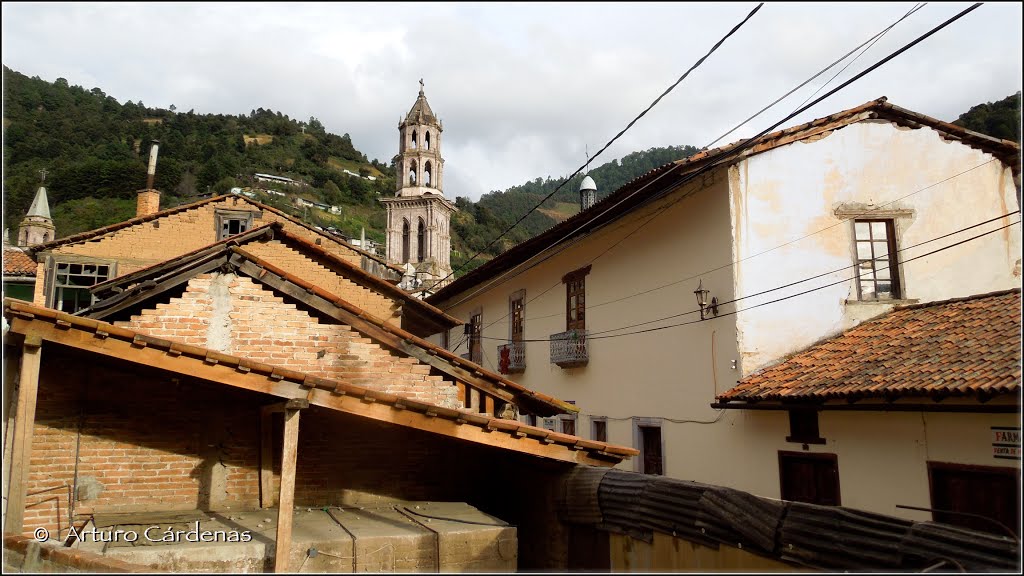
(1006, 442)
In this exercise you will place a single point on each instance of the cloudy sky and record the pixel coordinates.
(522, 88)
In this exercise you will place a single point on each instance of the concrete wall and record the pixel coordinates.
(235, 315)
(868, 167)
(733, 215)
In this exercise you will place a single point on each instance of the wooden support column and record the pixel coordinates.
(24, 422)
(286, 501)
(266, 458)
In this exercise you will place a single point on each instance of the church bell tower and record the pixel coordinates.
(418, 216)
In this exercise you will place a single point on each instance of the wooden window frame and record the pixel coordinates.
(638, 443)
(576, 285)
(594, 421)
(800, 436)
(221, 216)
(891, 244)
(53, 262)
(956, 467)
(476, 330)
(830, 457)
(517, 318)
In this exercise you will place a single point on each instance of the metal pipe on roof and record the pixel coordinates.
(151, 172)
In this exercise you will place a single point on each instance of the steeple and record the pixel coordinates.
(419, 166)
(37, 227)
(418, 216)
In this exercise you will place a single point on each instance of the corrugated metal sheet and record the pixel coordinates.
(579, 502)
(926, 543)
(829, 538)
(836, 538)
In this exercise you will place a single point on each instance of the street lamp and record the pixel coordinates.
(702, 301)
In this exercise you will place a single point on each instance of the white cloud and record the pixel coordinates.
(522, 88)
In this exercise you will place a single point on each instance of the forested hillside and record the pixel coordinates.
(1000, 119)
(95, 150)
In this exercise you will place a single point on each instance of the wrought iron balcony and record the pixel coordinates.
(515, 352)
(569, 349)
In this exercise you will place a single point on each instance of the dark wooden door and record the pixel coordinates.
(651, 438)
(988, 491)
(812, 478)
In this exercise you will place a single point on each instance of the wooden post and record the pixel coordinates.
(24, 422)
(286, 502)
(266, 458)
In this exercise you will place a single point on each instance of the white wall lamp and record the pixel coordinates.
(707, 310)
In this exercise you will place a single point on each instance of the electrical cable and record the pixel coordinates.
(610, 142)
(744, 259)
(726, 156)
(406, 508)
(812, 78)
(735, 312)
(873, 42)
(815, 277)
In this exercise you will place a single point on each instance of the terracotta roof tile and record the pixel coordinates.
(17, 263)
(960, 347)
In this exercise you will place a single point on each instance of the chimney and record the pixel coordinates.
(149, 197)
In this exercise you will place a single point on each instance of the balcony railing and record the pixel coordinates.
(569, 349)
(516, 357)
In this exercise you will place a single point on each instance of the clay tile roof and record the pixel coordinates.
(17, 263)
(961, 347)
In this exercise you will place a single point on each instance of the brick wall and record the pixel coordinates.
(156, 441)
(233, 314)
(301, 265)
(144, 441)
(148, 243)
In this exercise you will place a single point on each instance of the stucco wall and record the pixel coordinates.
(784, 216)
(662, 374)
(755, 214)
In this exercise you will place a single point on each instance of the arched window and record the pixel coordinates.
(421, 242)
(413, 138)
(412, 173)
(405, 240)
(426, 141)
(426, 174)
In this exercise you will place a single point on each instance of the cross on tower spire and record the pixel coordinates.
(43, 173)
(421, 86)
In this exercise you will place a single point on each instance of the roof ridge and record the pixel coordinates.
(951, 301)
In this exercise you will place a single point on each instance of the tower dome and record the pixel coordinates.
(588, 192)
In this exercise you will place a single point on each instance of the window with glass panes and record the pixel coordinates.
(877, 269)
(575, 299)
(71, 283)
(516, 309)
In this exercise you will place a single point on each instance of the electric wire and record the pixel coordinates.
(726, 157)
(808, 279)
(735, 312)
(610, 142)
(873, 42)
(816, 75)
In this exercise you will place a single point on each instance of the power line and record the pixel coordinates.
(735, 312)
(819, 73)
(822, 275)
(726, 156)
(610, 142)
(763, 252)
(873, 42)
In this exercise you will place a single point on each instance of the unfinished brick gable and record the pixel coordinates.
(305, 267)
(235, 315)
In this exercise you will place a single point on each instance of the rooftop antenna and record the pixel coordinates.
(586, 150)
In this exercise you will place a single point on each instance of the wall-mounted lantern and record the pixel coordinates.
(706, 309)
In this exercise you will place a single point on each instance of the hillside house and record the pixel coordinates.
(647, 309)
(67, 267)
